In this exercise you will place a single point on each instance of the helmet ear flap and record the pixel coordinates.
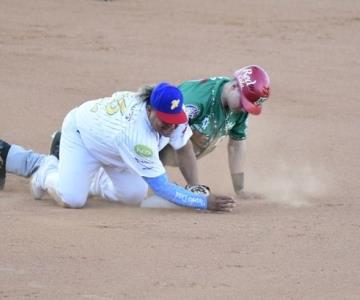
(266, 91)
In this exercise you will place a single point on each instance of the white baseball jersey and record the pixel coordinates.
(116, 130)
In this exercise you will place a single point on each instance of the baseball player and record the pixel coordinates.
(120, 135)
(217, 107)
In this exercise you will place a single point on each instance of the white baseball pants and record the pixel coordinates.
(78, 169)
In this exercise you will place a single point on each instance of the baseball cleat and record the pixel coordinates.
(55, 144)
(4, 150)
(48, 165)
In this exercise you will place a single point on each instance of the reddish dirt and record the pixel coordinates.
(300, 241)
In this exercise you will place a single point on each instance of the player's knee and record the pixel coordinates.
(71, 200)
(134, 196)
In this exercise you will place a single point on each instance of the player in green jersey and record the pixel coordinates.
(218, 107)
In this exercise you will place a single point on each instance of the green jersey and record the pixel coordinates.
(208, 119)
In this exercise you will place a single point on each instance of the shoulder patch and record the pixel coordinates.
(192, 111)
(143, 151)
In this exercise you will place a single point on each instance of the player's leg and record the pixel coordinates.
(130, 188)
(123, 186)
(23, 162)
(17, 160)
(102, 186)
(69, 182)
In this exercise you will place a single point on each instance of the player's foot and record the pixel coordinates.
(55, 144)
(48, 165)
(4, 150)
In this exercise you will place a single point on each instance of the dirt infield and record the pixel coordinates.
(300, 241)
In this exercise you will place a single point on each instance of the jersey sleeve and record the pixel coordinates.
(239, 131)
(176, 194)
(180, 136)
(194, 97)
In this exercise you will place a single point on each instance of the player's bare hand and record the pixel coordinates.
(220, 203)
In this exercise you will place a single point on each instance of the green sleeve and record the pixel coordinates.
(194, 99)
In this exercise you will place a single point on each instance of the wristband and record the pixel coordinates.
(238, 181)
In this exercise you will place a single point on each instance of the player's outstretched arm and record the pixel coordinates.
(236, 158)
(182, 197)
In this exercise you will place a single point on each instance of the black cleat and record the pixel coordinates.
(4, 150)
(55, 144)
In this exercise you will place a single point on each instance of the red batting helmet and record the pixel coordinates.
(254, 85)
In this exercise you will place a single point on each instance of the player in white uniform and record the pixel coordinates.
(120, 134)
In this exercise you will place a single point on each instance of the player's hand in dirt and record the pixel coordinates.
(220, 203)
(242, 195)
